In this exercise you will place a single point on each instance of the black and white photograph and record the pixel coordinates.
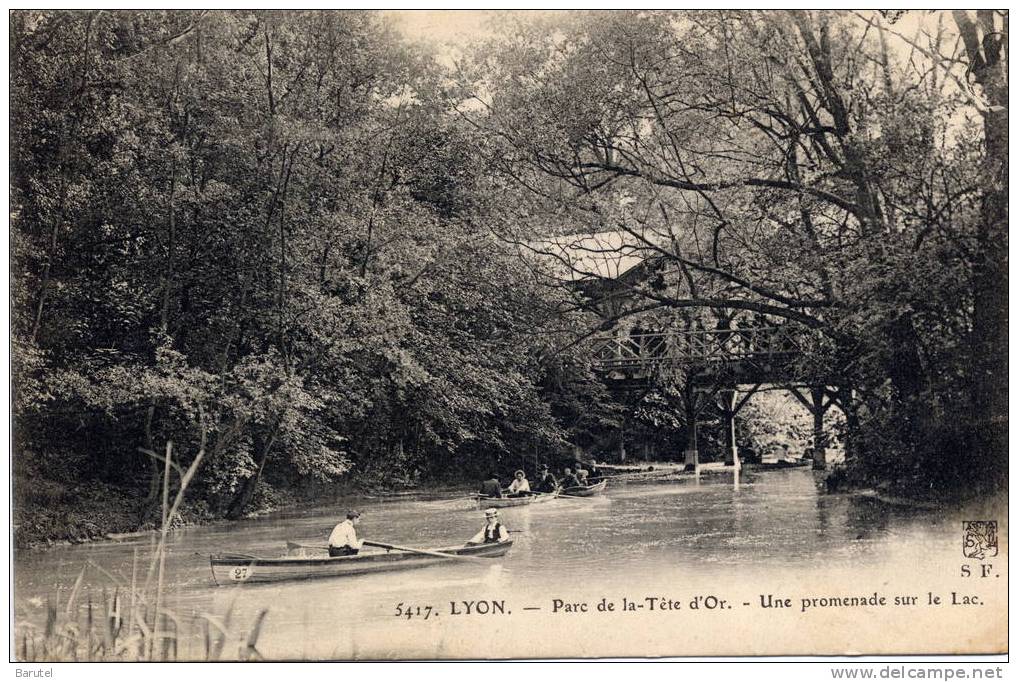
(507, 335)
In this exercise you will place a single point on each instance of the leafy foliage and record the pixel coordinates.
(268, 218)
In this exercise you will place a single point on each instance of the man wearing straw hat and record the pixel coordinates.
(492, 531)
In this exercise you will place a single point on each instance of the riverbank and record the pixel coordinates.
(48, 512)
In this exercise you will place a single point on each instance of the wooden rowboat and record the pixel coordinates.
(242, 568)
(499, 502)
(646, 475)
(586, 490)
(782, 464)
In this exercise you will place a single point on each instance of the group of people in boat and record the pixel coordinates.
(343, 540)
(580, 474)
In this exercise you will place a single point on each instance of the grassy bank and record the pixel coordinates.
(50, 512)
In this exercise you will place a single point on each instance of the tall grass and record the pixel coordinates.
(108, 629)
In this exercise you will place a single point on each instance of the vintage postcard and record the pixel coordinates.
(459, 335)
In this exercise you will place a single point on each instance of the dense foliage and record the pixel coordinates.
(293, 239)
(259, 229)
(818, 168)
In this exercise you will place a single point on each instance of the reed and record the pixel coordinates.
(98, 632)
(150, 632)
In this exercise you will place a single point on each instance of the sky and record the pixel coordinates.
(442, 26)
(459, 26)
(454, 27)
(452, 30)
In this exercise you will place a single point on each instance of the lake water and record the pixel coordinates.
(646, 538)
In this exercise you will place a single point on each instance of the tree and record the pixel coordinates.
(788, 164)
(267, 218)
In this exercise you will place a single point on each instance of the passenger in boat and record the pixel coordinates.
(492, 531)
(582, 474)
(491, 487)
(343, 540)
(520, 486)
(547, 484)
(569, 479)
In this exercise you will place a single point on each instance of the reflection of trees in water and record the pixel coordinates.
(866, 516)
(775, 510)
(852, 517)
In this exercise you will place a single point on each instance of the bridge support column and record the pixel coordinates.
(728, 410)
(730, 405)
(817, 407)
(819, 435)
(621, 450)
(692, 455)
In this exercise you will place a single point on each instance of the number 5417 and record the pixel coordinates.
(409, 611)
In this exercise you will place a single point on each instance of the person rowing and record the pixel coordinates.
(492, 531)
(547, 482)
(520, 486)
(581, 473)
(491, 487)
(343, 540)
(594, 474)
(569, 479)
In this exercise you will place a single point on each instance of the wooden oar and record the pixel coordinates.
(428, 552)
(297, 545)
(576, 497)
(383, 545)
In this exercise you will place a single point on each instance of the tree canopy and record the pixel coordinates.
(311, 242)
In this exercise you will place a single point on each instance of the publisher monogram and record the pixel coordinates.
(980, 539)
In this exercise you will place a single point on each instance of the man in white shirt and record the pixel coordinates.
(343, 540)
(493, 531)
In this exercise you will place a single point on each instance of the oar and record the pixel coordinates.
(383, 545)
(297, 545)
(428, 552)
(575, 497)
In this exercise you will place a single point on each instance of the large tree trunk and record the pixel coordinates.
(908, 376)
(989, 323)
(247, 490)
(155, 481)
(985, 39)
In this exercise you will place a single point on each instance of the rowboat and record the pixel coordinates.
(500, 502)
(646, 475)
(586, 490)
(242, 568)
(782, 464)
(641, 473)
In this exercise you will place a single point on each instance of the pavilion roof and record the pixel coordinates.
(598, 255)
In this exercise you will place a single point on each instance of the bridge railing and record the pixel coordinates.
(622, 350)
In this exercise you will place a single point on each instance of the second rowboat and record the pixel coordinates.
(586, 490)
(522, 500)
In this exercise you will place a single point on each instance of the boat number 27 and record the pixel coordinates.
(240, 573)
